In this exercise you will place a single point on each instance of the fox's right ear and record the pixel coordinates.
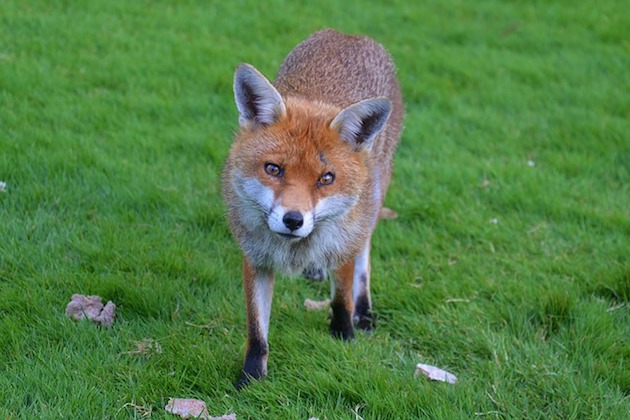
(258, 102)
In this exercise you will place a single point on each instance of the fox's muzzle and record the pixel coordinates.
(289, 222)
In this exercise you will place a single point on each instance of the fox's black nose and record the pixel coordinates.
(293, 220)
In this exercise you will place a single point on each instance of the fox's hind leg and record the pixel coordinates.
(362, 317)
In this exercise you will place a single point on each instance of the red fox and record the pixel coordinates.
(306, 176)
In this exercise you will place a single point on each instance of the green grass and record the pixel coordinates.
(115, 120)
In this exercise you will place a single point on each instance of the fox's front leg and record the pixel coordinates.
(363, 317)
(342, 304)
(258, 287)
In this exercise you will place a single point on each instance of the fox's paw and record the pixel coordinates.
(341, 322)
(316, 274)
(366, 322)
(255, 366)
(243, 381)
(347, 334)
(247, 379)
(363, 318)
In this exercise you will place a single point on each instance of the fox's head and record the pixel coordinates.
(297, 163)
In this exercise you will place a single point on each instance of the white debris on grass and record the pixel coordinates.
(531, 163)
(434, 373)
(494, 220)
(387, 214)
(188, 408)
(316, 305)
(3, 186)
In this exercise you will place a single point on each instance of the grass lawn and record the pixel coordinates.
(509, 264)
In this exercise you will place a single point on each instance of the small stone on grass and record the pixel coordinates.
(92, 308)
(188, 408)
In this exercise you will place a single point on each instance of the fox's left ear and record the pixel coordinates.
(258, 102)
(360, 123)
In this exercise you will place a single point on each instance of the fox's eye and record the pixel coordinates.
(273, 169)
(326, 179)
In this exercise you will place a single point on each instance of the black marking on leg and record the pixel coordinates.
(255, 366)
(341, 321)
(363, 280)
(364, 319)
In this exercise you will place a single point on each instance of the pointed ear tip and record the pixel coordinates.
(384, 103)
(244, 70)
(380, 104)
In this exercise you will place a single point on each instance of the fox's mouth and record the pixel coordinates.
(289, 236)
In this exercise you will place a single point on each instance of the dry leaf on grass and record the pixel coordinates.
(145, 347)
(435, 374)
(143, 411)
(188, 408)
(316, 305)
(91, 307)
